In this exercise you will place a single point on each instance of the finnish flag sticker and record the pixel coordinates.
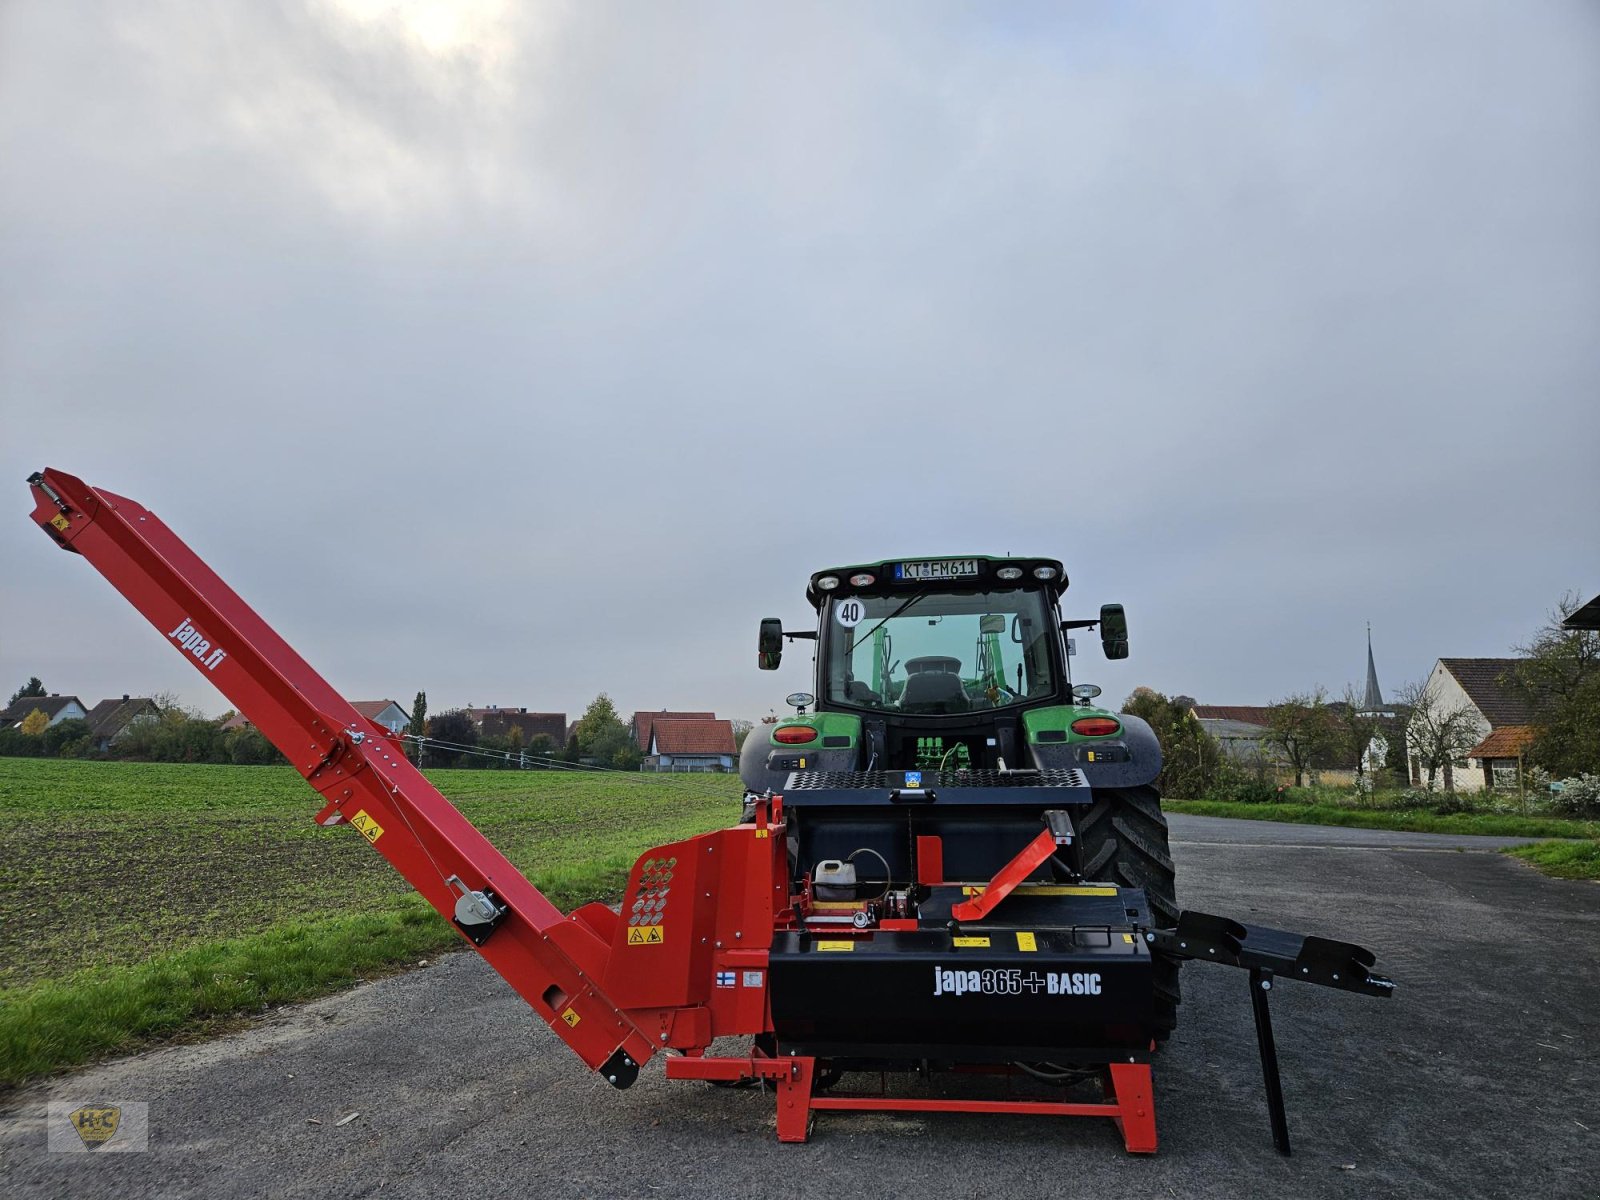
(727, 978)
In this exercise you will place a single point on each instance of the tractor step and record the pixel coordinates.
(1057, 786)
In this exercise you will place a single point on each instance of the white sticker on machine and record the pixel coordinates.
(849, 612)
(752, 979)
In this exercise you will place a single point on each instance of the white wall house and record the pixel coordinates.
(1475, 686)
(384, 712)
(56, 708)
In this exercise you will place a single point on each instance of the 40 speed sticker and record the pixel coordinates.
(1013, 982)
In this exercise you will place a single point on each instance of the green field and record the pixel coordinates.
(142, 900)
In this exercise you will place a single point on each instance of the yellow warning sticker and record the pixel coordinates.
(646, 935)
(971, 943)
(1128, 937)
(61, 523)
(1048, 889)
(761, 833)
(843, 945)
(368, 828)
(571, 1018)
(1026, 941)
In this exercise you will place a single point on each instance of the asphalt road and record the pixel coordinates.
(1480, 1078)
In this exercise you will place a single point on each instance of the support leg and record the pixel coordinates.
(1260, 986)
(794, 1100)
(1136, 1106)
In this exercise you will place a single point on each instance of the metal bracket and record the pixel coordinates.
(477, 912)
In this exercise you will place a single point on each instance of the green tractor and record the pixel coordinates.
(945, 722)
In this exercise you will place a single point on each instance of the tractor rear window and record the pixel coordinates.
(935, 653)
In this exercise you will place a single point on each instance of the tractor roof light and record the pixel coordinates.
(826, 583)
(794, 735)
(1008, 573)
(1044, 572)
(863, 580)
(1096, 726)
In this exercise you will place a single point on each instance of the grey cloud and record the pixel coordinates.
(545, 355)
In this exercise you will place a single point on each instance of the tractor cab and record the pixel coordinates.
(943, 656)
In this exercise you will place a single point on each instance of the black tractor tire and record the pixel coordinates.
(1122, 839)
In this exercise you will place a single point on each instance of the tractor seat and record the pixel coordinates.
(933, 685)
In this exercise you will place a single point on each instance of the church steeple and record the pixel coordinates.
(1373, 700)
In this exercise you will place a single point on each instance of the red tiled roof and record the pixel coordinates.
(643, 720)
(1247, 714)
(1481, 680)
(1509, 741)
(692, 737)
(237, 721)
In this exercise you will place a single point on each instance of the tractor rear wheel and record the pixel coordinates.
(1122, 839)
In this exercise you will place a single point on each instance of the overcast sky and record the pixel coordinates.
(523, 351)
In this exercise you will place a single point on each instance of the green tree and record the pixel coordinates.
(741, 730)
(1560, 677)
(419, 715)
(598, 720)
(32, 688)
(1189, 757)
(1303, 730)
(455, 727)
(603, 737)
(66, 738)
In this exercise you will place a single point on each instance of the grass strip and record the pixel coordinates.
(1402, 820)
(61, 1023)
(1564, 859)
(99, 1012)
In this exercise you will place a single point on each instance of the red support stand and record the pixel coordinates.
(1129, 1097)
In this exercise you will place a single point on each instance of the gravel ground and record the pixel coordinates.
(1480, 1078)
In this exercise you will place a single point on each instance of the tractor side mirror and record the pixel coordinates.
(1113, 631)
(769, 648)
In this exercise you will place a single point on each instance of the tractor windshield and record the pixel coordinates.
(936, 653)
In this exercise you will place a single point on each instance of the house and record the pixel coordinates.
(1479, 687)
(1586, 616)
(1240, 730)
(502, 722)
(643, 721)
(55, 708)
(385, 713)
(691, 745)
(110, 719)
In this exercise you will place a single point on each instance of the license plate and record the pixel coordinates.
(948, 568)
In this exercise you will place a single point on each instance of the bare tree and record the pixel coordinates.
(1303, 730)
(1355, 731)
(1438, 732)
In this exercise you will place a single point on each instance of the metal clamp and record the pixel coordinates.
(477, 912)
